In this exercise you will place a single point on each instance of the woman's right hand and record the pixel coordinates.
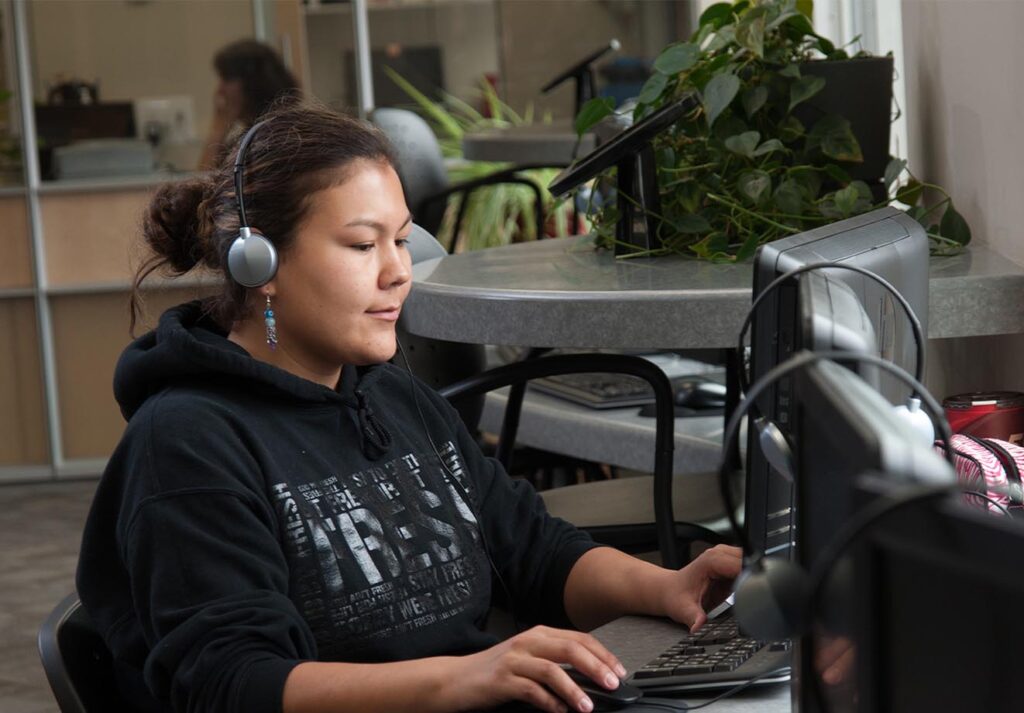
(526, 668)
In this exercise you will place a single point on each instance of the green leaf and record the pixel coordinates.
(592, 112)
(718, 94)
(846, 200)
(802, 24)
(954, 227)
(804, 88)
(790, 129)
(836, 140)
(789, 197)
(790, 70)
(729, 125)
(863, 190)
(652, 88)
(723, 38)
(748, 247)
(716, 15)
(809, 180)
(441, 117)
(717, 242)
(768, 147)
(825, 46)
(750, 30)
(754, 185)
(910, 194)
(917, 213)
(754, 99)
(744, 144)
(893, 170)
(806, 7)
(837, 174)
(692, 223)
(677, 58)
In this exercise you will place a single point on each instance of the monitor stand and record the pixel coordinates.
(638, 203)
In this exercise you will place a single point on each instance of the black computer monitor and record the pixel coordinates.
(939, 587)
(842, 429)
(798, 316)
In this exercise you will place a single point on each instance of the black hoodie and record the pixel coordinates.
(251, 519)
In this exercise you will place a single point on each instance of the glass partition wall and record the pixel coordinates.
(118, 96)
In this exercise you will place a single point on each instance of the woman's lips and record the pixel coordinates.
(389, 314)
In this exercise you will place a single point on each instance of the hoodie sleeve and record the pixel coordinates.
(209, 580)
(533, 550)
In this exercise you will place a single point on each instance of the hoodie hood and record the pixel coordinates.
(189, 347)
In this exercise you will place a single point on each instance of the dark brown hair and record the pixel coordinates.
(298, 152)
(266, 82)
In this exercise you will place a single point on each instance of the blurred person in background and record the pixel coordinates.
(253, 78)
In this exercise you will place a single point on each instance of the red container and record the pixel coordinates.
(987, 414)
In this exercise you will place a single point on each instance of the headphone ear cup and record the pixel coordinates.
(252, 259)
(771, 600)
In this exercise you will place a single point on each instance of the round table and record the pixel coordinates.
(552, 143)
(563, 293)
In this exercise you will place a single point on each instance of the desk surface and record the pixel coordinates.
(637, 640)
(530, 143)
(563, 293)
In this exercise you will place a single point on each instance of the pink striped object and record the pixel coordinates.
(983, 464)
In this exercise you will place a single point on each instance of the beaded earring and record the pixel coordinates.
(268, 318)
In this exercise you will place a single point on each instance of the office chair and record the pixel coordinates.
(77, 662)
(424, 178)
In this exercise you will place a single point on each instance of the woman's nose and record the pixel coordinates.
(397, 269)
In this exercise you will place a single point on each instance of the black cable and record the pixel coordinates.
(672, 705)
(983, 496)
(915, 323)
(800, 361)
(462, 491)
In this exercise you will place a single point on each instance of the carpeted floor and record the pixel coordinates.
(40, 531)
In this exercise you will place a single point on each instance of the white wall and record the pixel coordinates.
(965, 107)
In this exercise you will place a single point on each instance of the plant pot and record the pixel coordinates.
(860, 90)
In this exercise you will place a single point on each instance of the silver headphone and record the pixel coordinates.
(252, 258)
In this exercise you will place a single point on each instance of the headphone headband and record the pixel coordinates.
(243, 146)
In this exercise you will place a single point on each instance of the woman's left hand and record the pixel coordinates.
(702, 585)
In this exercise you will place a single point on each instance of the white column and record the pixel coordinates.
(364, 77)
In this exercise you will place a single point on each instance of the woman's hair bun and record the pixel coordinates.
(173, 225)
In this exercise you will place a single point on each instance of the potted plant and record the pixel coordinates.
(778, 141)
(499, 214)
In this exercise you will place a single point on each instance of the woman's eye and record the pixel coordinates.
(402, 242)
(363, 247)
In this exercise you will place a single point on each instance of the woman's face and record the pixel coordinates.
(340, 286)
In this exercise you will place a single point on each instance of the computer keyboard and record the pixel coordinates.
(716, 656)
(598, 390)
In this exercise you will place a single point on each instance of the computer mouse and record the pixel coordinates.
(604, 699)
(700, 394)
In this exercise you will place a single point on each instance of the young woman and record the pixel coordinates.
(292, 524)
(251, 78)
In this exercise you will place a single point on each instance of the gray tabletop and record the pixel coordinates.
(563, 293)
(637, 640)
(531, 143)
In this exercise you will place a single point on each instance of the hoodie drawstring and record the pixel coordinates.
(376, 439)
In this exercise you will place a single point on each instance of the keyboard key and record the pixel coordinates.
(654, 672)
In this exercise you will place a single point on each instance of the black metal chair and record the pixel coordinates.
(425, 179)
(77, 663)
(670, 538)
